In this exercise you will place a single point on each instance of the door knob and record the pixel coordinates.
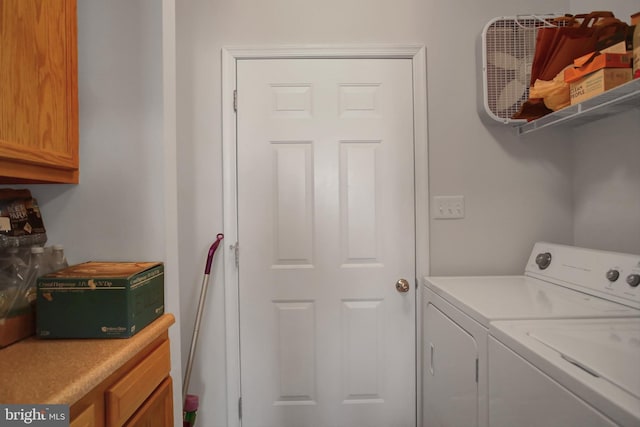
(402, 286)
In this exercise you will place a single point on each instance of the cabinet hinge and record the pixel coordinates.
(235, 100)
(477, 369)
(240, 407)
(236, 253)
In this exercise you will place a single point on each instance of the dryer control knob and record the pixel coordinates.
(612, 275)
(633, 280)
(543, 260)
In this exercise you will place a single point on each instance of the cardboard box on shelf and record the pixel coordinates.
(635, 22)
(598, 82)
(594, 62)
(99, 300)
(620, 47)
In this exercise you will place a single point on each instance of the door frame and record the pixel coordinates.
(230, 56)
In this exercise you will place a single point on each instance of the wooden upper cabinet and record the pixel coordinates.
(38, 91)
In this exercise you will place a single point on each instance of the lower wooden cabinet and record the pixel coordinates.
(107, 382)
(126, 395)
(138, 394)
(157, 411)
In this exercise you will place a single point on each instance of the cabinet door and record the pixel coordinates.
(449, 373)
(125, 396)
(38, 91)
(157, 410)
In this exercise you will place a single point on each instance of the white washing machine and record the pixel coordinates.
(570, 373)
(559, 282)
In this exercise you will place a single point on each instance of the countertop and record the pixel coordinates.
(39, 371)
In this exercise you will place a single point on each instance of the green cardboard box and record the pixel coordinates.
(99, 300)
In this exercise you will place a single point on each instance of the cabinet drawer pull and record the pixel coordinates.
(125, 396)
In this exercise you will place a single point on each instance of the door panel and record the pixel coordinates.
(361, 351)
(326, 228)
(296, 352)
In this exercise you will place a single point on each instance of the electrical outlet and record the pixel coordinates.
(448, 207)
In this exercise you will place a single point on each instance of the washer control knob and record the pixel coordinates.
(543, 260)
(633, 280)
(612, 275)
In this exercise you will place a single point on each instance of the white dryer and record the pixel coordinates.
(559, 282)
(569, 373)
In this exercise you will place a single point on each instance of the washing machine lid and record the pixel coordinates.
(596, 359)
(489, 298)
(606, 349)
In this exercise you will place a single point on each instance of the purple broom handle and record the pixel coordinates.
(212, 250)
(196, 327)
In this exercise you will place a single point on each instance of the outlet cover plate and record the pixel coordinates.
(448, 207)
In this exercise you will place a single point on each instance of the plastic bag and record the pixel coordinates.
(21, 223)
(554, 93)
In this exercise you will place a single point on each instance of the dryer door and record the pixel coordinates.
(449, 373)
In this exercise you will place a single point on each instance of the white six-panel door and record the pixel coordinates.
(326, 228)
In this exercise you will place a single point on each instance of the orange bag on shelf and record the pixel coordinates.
(557, 47)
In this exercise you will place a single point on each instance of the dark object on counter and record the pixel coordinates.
(21, 222)
(99, 300)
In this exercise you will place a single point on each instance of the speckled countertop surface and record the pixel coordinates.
(38, 371)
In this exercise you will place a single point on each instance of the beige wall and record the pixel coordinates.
(517, 191)
(118, 210)
(606, 181)
(607, 184)
(550, 185)
(570, 186)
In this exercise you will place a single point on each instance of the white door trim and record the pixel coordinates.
(230, 56)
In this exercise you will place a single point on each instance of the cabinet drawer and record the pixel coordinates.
(86, 418)
(157, 411)
(126, 395)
